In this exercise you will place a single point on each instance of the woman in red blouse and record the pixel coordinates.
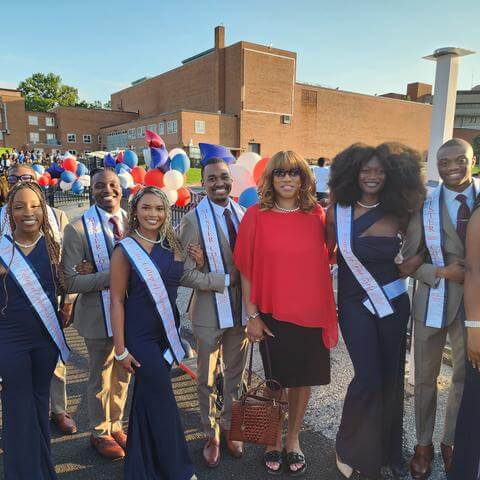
(283, 259)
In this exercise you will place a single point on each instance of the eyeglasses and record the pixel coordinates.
(13, 179)
(281, 172)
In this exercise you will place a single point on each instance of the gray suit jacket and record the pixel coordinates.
(453, 250)
(87, 314)
(204, 282)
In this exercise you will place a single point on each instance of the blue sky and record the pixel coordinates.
(369, 46)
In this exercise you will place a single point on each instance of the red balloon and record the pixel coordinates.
(153, 139)
(119, 158)
(47, 174)
(138, 174)
(136, 188)
(184, 197)
(70, 164)
(259, 169)
(53, 181)
(154, 178)
(43, 181)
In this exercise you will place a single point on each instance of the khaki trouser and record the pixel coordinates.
(107, 388)
(429, 345)
(233, 343)
(58, 389)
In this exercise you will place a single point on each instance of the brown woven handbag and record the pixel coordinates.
(257, 416)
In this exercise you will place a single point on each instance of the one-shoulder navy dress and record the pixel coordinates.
(156, 445)
(371, 430)
(28, 357)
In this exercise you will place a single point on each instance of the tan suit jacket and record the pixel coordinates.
(453, 250)
(203, 282)
(87, 314)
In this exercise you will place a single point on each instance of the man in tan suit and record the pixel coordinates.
(209, 327)
(456, 198)
(58, 387)
(108, 381)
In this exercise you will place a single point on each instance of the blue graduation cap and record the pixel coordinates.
(209, 150)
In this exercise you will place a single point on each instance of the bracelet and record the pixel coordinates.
(123, 356)
(472, 323)
(253, 316)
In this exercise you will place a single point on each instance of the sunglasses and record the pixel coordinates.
(281, 172)
(13, 179)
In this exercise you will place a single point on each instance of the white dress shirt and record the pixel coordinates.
(453, 204)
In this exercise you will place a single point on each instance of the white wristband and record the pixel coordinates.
(123, 356)
(472, 323)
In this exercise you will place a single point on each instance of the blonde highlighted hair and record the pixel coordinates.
(287, 160)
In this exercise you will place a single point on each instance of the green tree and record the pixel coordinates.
(108, 105)
(85, 104)
(476, 147)
(44, 91)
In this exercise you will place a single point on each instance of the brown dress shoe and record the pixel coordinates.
(121, 438)
(447, 455)
(234, 447)
(211, 453)
(421, 462)
(107, 447)
(65, 423)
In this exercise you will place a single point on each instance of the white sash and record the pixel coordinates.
(97, 241)
(392, 290)
(378, 298)
(433, 231)
(24, 275)
(211, 240)
(149, 273)
(52, 220)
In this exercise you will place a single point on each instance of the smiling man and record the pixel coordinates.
(90, 240)
(216, 310)
(439, 230)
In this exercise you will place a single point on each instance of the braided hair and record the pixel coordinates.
(53, 247)
(166, 231)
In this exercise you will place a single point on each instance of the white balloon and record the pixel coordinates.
(172, 195)
(147, 156)
(248, 160)
(173, 180)
(176, 151)
(85, 180)
(242, 179)
(65, 186)
(126, 180)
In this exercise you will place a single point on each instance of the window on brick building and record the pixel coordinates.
(49, 121)
(171, 127)
(161, 128)
(199, 126)
(71, 137)
(34, 137)
(32, 120)
(87, 138)
(254, 147)
(51, 138)
(1, 135)
(139, 132)
(99, 139)
(73, 152)
(143, 131)
(153, 127)
(309, 98)
(87, 151)
(132, 133)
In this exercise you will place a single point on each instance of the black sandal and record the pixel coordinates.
(273, 456)
(292, 459)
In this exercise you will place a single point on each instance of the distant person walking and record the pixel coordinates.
(322, 174)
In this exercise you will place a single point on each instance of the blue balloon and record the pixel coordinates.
(57, 168)
(130, 158)
(248, 197)
(159, 157)
(38, 168)
(77, 187)
(81, 169)
(109, 161)
(180, 162)
(68, 177)
(122, 167)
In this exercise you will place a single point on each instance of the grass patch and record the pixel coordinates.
(193, 176)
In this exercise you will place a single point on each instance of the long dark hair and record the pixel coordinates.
(404, 189)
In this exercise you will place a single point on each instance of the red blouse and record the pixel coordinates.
(285, 258)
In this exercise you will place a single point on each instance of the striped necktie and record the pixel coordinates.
(117, 229)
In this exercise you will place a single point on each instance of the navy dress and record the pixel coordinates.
(28, 357)
(371, 430)
(466, 455)
(156, 448)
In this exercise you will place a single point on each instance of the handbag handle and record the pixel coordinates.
(250, 362)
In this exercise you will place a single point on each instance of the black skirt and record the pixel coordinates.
(297, 355)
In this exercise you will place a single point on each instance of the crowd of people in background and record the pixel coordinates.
(261, 275)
